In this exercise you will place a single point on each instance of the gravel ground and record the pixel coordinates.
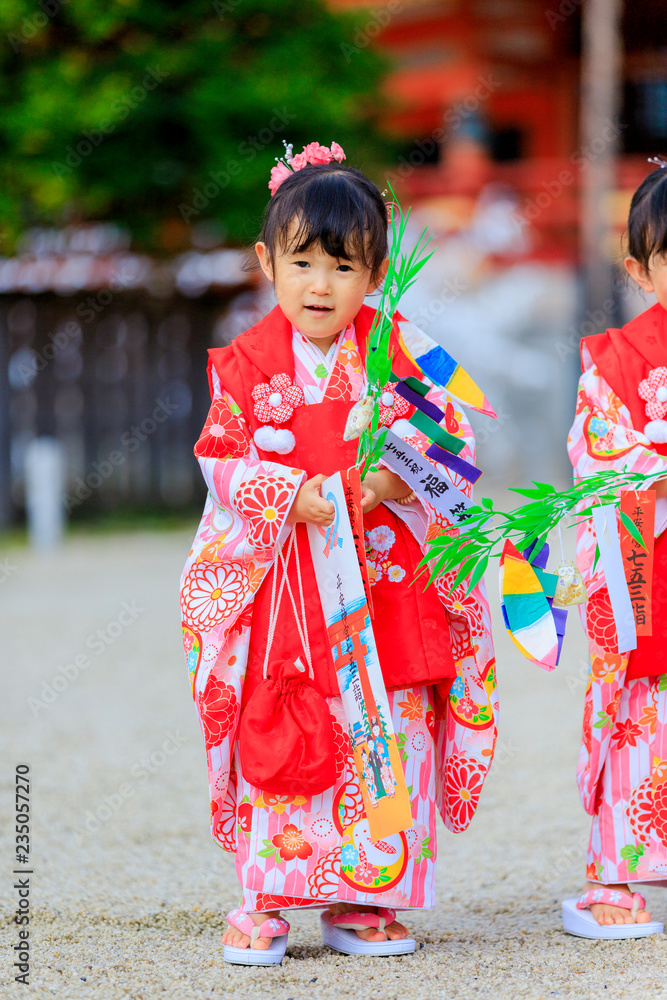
(131, 904)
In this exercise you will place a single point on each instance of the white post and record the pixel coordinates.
(44, 485)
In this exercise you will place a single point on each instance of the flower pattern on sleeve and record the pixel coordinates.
(213, 592)
(224, 434)
(264, 502)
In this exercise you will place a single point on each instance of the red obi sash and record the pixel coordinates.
(410, 626)
(623, 358)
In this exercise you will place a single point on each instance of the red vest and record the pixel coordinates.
(624, 358)
(410, 625)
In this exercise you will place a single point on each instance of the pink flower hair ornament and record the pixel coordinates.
(312, 155)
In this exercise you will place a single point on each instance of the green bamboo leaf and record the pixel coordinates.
(631, 528)
(477, 573)
(464, 569)
(533, 494)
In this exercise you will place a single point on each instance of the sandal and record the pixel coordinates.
(338, 932)
(578, 920)
(274, 927)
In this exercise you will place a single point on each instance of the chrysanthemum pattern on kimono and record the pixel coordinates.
(298, 850)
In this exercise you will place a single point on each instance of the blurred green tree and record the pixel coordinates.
(167, 115)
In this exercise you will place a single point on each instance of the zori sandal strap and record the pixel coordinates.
(362, 921)
(271, 928)
(613, 897)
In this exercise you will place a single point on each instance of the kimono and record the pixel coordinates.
(622, 766)
(434, 646)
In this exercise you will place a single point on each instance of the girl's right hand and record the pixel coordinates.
(310, 506)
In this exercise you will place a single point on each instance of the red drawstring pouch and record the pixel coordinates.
(286, 742)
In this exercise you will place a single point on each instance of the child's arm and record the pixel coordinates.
(382, 485)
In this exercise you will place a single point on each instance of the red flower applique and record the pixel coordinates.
(218, 706)
(292, 843)
(392, 405)
(654, 391)
(277, 399)
(626, 734)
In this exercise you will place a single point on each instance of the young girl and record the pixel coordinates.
(281, 395)
(622, 772)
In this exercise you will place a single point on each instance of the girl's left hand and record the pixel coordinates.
(380, 485)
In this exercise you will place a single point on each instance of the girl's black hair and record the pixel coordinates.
(335, 207)
(647, 220)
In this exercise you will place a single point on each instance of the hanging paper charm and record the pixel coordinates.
(570, 588)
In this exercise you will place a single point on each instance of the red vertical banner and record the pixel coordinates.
(639, 506)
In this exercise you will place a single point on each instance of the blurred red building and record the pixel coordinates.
(485, 91)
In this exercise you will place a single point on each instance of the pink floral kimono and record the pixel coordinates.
(622, 769)
(311, 850)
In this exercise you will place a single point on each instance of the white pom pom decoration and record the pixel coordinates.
(403, 429)
(281, 440)
(387, 399)
(656, 431)
(275, 399)
(661, 393)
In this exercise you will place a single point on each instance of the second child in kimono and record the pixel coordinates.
(621, 423)
(281, 394)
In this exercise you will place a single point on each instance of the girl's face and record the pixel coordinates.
(653, 280)
(319, 294)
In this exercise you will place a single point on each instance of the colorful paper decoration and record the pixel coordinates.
(437, 434)
(362, 690)
(418, 400)
(526, 611)
(609, 544)
(639, 507)
(425, 478)
(453, 462)
(548, 582)
(441, 368)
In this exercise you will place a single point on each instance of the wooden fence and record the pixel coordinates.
(119, 380)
